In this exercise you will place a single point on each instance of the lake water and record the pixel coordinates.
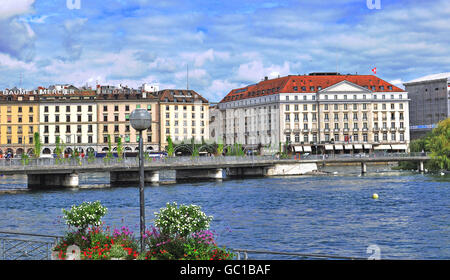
(333, 214)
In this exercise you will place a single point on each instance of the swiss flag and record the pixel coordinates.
(374, 70)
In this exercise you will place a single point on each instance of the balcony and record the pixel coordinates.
(287, 131)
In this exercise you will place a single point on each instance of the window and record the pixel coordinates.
(90, 108)
(57, 109)
(78, 108)
(45, 109)
(67, 118)
(105, 128)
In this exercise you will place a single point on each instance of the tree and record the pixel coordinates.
(170, 149)
(220, 148)
(119, 149)
(58, 150)
(438, 143)
(37, 145)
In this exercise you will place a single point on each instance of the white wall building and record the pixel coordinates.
(314, 112)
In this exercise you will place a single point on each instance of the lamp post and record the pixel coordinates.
(140, 120)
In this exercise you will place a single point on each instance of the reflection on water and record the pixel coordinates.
(331, 214)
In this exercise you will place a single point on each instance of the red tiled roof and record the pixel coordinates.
(308, 84)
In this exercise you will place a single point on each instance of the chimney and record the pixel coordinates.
(266, 78)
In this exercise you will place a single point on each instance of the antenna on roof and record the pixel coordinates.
(187, 76)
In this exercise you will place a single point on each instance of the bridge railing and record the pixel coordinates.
(128, 162)
(21, 164)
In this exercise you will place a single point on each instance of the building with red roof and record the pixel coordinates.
(319, 112)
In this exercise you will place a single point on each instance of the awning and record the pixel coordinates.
(328, 147)
(348, 147)
(298, 149)
(382, 147)
(307, 148)
(358, 146)
(399, 147)
(368, 146)
(338, 147)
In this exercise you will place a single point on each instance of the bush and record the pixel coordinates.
(85, 215)
(181, 221)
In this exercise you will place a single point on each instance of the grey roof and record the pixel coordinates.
(431, 77)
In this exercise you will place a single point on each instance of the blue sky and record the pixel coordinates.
(227, 44)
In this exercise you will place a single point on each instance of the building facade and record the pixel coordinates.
(70, 118)
(19, 120)
(430, 102)
(85, 119)
(184, 116)
(113, 120)
(320, 113)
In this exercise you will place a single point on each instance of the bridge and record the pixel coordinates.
(51, 172)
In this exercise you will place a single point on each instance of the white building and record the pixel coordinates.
(72, 118)
(317, 112)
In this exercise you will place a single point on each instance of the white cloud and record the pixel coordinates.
(12, 8)
(255, 71)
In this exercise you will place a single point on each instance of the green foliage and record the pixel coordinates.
(24, 159)
(219, 149)
(438, 143)
(119, 149)
(117, 251)
(195, 151)
(85, 215)
(174, 221)
(91, 156)
(37, 145)
(109, 155)
(170, 148)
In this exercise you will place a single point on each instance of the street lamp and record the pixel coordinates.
(141, 120)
